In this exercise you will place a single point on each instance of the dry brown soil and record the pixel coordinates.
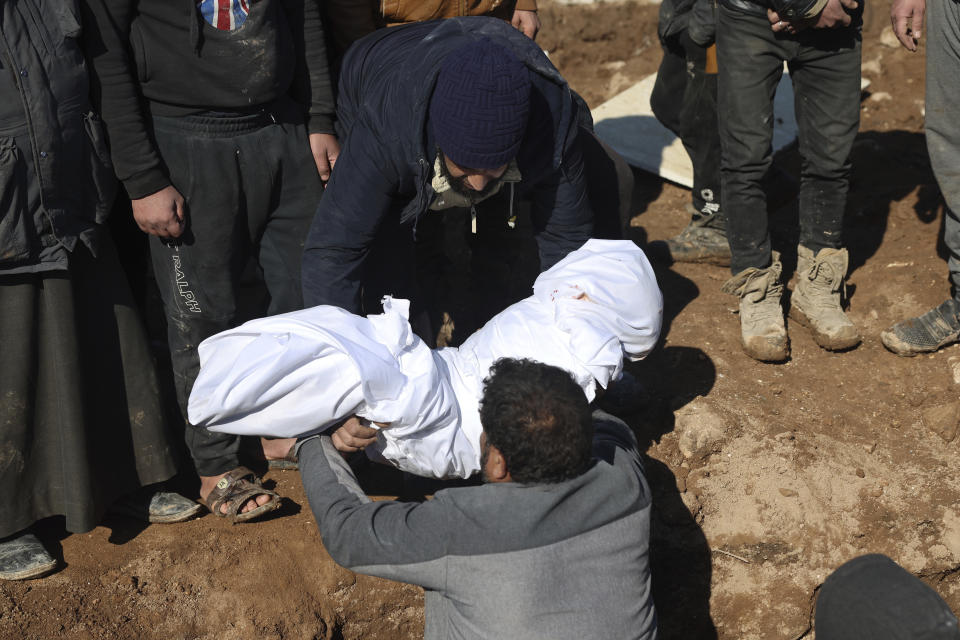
(765, 477)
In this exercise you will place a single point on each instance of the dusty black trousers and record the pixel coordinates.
(251, 188)
(825, 69)
(684, 100)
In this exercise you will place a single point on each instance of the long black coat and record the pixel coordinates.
(386, 162)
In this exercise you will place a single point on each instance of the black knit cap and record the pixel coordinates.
(480, 105)
(873, 598)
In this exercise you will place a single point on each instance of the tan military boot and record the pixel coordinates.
(816, 299)
(762, 329)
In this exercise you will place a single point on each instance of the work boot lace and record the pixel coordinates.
(823, 284)
(762, 329)
(828, 275)
(762, 288)
(756, 283)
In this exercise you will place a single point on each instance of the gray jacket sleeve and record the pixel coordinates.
(397, 540)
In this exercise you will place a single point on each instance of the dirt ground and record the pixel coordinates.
(765, 477)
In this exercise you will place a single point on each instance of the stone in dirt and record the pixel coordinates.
(700, 429)
(943, 420)
(954, 362)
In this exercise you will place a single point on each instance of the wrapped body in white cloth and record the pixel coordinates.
(301, 372)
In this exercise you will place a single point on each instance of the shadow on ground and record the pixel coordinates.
(680, 557)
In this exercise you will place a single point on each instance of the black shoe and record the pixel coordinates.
(23, 556)
(703, 240)
(936, 328)
(151, 504)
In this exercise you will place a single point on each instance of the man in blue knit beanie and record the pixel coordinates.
(478, 114)
(452, 120)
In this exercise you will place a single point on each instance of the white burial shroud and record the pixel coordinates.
(301, 372)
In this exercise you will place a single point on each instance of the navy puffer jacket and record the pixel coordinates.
(386, 162)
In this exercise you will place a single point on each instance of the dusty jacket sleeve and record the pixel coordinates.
(357, 198)
(116, 94)
(397, 540)
(562, 217)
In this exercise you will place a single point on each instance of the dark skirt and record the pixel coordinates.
(81, 417)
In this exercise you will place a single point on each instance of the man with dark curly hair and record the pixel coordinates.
(535, 428)
(554, 544)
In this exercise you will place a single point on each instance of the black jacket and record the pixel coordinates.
(161, 57)
(61, 146)
(386, 161)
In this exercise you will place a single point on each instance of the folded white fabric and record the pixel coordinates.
(301, 372)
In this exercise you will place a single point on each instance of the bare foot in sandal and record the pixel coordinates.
(278, 452)
(237, 495)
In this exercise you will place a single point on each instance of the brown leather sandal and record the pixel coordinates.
(235, 489)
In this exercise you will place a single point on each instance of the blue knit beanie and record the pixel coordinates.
(480, 105)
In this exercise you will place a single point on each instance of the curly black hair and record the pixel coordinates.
(539, 420)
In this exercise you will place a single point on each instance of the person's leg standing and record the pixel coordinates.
(670, 85)
(826, 80)
(684, 99)
(940, 326)
(943, 119)
(701, 130)
(282, 189)
(197, 274)
(705, 239)
(750, 60)
(282, 204)
(750, 64)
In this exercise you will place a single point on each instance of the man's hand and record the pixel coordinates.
(778, 25)
(325, 148)
(353, 435)
(908, 11)
(526, 21)
(833, 16)
(160, 214)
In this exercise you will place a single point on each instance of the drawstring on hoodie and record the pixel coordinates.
(195, 38)
(511, 218)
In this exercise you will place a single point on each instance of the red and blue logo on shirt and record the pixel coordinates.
(225, 15)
